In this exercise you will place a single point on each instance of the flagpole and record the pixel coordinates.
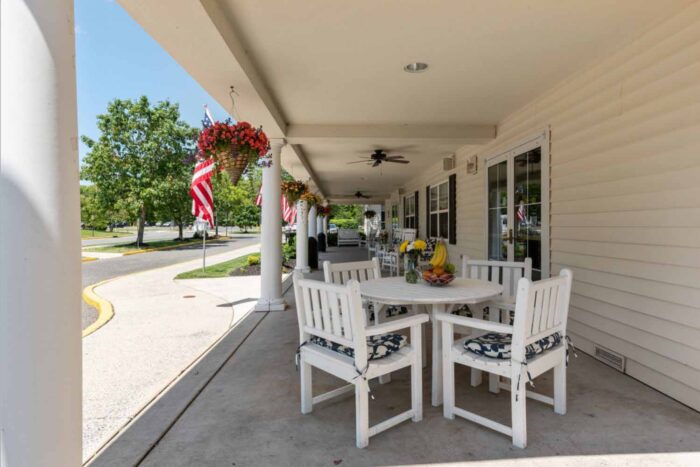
(204, 248)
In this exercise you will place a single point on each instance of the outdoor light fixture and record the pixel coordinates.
(416, 67)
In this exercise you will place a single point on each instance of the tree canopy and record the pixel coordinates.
(140, 159)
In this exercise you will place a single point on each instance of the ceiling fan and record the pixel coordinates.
(358, 194)
(378, 156)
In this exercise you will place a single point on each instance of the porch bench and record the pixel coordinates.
(348, 237)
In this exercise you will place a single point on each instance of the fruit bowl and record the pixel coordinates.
(437, 279)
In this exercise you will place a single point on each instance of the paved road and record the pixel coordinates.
(149, 236)
(97, 271)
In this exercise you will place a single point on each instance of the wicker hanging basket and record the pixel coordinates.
(233, 162)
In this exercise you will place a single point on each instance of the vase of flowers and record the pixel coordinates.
(233, 146)
(412, 251)
(293, 190)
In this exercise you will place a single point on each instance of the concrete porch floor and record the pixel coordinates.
(248, 414)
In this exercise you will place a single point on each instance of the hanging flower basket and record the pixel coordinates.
(293, 190)
(233, 146)
(369, 214)
(310, 198)
(324, 211)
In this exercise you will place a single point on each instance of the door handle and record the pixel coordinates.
(510, 236)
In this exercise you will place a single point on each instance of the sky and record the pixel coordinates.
(116, 59)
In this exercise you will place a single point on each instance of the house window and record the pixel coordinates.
(439, 211)
(409, 212)
(394, 216)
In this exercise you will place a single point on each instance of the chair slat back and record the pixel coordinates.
(506, 273)
(408, 234)
(341, 273)
(541, 309)
(333, 312)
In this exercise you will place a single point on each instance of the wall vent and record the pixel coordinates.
(448, 163)
(609, 357)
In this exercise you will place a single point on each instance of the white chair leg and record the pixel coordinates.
(494, 380)
(306, 388)
(378, 310)
(361, 414)
(417, 374)
(448, 372)
(518, 397)
(474, 374)
(560, 388)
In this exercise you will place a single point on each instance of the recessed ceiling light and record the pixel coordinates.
(416, 67)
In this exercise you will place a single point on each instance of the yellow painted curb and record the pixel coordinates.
(105, 310)
(86, 259)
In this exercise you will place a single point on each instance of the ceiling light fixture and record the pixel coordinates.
(416, 67)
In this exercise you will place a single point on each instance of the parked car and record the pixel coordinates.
(332, 228)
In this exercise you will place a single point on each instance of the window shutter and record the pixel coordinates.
(403, 213)
(427, 211)
(415, 214)
(452, 206)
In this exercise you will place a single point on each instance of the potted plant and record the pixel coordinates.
(412, 251)
(293, 190)
(310, 198)
(324, 211)
(233, 146)
(370, 214)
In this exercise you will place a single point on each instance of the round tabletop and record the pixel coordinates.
(396, 291)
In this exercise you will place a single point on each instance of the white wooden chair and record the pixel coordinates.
(408, 234)
(506, 273)
(390, 261)
(348, 237)
(537, 344)
(333, 337)
(342, 273)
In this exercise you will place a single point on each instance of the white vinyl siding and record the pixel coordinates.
(624, 201)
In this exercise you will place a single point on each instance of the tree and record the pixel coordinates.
(173, 200)
(92, 213)
(228, 198)
(139, 147)
(247, 216)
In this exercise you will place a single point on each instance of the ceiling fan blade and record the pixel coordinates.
(376, 163)
(398, 161)
(359, 162)
(395, 156)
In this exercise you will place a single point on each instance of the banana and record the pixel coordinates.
(439, 255)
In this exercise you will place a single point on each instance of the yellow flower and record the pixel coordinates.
(419, 245)
(403, 246)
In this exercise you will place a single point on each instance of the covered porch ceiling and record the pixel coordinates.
(328, 76)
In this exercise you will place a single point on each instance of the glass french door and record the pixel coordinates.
(517, 213)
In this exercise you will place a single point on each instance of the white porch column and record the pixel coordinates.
(271, 234)
(302, 263)
(319, 225)
(312, 221)
(40, 318)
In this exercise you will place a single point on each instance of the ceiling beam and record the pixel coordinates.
(464, 134)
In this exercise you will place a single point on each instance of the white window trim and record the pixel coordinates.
(540, 139)
(439, 211)
(406, 216)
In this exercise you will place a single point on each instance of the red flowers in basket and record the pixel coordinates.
(223, 137)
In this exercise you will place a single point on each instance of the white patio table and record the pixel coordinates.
(396, 291)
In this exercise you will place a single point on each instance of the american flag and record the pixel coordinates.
(521, 212)
(289, 211)
(201, 192)
(208, 120)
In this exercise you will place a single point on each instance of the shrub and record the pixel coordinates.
(253, 260)
(289, 250)
(345, 223)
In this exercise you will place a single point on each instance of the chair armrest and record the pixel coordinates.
(475, 323)
(397, 324)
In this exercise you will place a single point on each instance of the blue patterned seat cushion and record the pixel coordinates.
(377, 346)
(391, 310)
(497, 345)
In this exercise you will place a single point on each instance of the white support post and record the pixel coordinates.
(40, 319)
(302, 263)
(271, 234)
(319, 225)
(312, 221)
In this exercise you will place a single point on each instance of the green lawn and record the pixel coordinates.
(129, 247)
(218, 270)
(87, 233)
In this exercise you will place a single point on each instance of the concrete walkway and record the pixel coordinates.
(160, 327)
